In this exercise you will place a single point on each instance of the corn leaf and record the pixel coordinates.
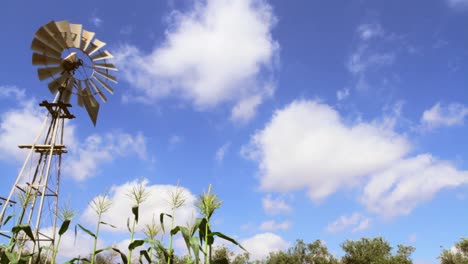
(8, 219)
(104, 223)
(185, 235)
(77, 259)
(122, 255)
(135, 212)
(223, 236)
(161, 219)
(25, 228)
(144, 253)
(195, 245)
(135, 244)
(64, 227)
(86, 230)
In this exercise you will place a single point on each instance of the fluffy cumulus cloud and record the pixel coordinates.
(221, 51)
(157, 202)
(261, 245)
(98, 149)
(449, 115)
(355, 222)
(324, 153)
(398, 189)
(275, 206)
(21, 125)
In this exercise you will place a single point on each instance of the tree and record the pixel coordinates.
(458, 255)
(302, 253)
(374, 251)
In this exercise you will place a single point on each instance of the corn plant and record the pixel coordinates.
(138, 194)
(100, 205)
(65, 215)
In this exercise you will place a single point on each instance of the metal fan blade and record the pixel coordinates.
(106, 75)
(38, 46)
(53, 28)
(39, 59)
(57, 83)
(108, 66)
(86, 37)
(104, 84)
(87, 93)
(64, 29)
(75, 34)
(47, 38)
(95, 46)
(91, 105)
(102, 55)
(98, 90)
(67, 92)
(45, 73)
(71, 57)
(79, 94)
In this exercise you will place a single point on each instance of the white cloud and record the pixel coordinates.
(11, 91)
(458, 3)
(175, 140)
(272, 225)
(259, 246)
(21, 126)
(324, 153)
(96, 21)
(342, 94)
(274, 206)
(221, 51)
(368, 31)
(71, 246)
(356, 221)
(221, 152)
(98, 149)
(398, 189)
(157, 203)
(450, 115)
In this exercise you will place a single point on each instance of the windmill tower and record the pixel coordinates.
(76, 65)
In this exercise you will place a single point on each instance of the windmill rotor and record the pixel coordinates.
(76, 63)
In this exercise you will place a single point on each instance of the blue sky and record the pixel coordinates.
(328, 120)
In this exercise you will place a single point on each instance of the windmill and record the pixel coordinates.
(75, 63)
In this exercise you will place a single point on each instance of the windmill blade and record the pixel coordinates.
(87, 93)
(91, 105)
(106, 75)
(86, 37)
(38, 46)
(67, 92)
(47, 38)
(95, 46)
(71, 57)
(102, 55)
(39, 59)
(104, 84)
(64, 29)
(57, 83)
(75, 34)
(45, 73)
(108, 66)
(98, 90)
(79, 93)
(53, 28)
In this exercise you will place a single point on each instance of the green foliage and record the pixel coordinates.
(459, 255)
(375, 251)
(312, 253)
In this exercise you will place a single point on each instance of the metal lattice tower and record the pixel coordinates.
(73, 59)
